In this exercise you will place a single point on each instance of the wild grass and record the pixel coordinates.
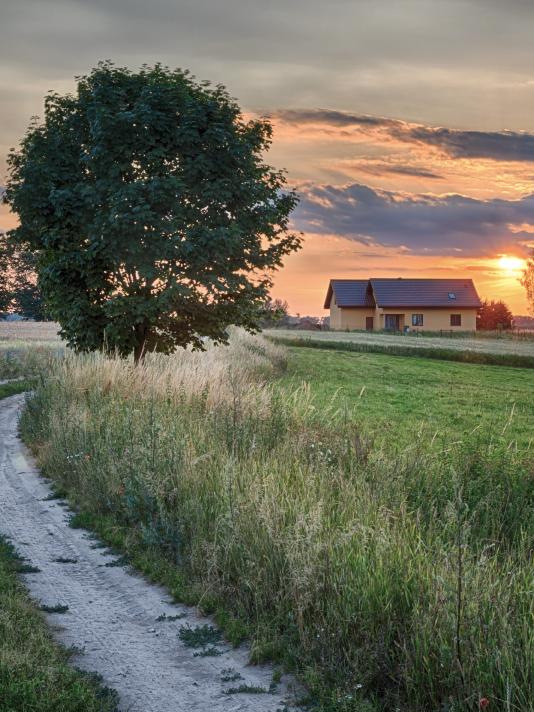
(34, 672)
(24, 360)
(27, 347)
(387, 577)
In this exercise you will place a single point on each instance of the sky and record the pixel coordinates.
(406, 126)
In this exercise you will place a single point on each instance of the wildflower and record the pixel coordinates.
(483, 703)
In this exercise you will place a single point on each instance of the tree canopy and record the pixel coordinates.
(493, 315)
(152, 217)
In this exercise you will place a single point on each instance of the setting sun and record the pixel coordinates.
(511, 264)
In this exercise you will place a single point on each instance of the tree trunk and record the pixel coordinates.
(139, 348)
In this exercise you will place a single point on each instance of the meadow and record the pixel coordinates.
(398, 398)
(477, 347)
(364, 520)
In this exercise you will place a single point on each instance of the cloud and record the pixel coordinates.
(384, 168)
(422, 223)
(455, 143)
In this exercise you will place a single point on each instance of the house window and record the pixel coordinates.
(452, 295)
(456, 320)
(417, 320)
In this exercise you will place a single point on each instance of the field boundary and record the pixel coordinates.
(466, 356)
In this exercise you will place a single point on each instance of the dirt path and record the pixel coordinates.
(112, 614)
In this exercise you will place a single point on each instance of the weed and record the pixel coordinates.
(230, 675)
(165, 617)
(209, 651)
(58, 608)
(24, 568)
(65, 560)
(246, 690)
(200, 636)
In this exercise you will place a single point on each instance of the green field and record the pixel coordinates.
(396, 396)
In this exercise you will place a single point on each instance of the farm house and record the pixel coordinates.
(402, 304)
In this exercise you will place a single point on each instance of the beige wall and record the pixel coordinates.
(437, 319)
(433, 319)
(347, 318)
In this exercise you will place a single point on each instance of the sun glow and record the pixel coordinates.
(511, 264)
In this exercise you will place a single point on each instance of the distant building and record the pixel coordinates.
(400, 304)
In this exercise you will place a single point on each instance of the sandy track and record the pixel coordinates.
(112, 611)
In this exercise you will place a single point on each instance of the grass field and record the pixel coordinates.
(388, 572)
(519, 347)
(396, 397)
(28, 333)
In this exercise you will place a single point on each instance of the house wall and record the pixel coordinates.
(349, 318)
(437, 319)
(433, 319)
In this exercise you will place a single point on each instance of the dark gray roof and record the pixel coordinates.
(350, 293)
(403, 293)
(425, 293)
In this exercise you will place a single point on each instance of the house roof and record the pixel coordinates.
(404, 293)
(350, 293)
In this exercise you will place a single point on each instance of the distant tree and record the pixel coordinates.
(19, 290)
(527, 281)
(152, 216)
(275, 311)
(494, 315)
(6, 294)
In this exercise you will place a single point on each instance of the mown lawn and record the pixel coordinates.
(395, 396)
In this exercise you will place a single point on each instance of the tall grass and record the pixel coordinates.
(389, 578)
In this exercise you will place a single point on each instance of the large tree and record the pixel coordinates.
(527, 281)
(153, 218)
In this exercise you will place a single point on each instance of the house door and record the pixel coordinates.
(369, 323)
(392, 322)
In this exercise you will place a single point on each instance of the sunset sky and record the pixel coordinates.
(406, 126)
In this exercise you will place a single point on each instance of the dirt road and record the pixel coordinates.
(113, 613)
